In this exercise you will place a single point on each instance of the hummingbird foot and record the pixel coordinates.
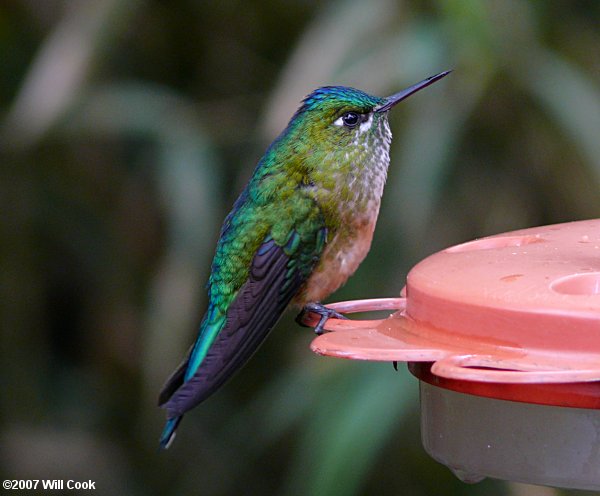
(322, 311)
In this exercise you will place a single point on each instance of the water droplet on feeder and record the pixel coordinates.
(467, 477)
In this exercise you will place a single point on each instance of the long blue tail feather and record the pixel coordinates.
(168, 433)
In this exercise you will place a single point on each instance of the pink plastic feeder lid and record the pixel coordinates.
(519, 307)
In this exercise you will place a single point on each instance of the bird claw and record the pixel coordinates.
(321, 310)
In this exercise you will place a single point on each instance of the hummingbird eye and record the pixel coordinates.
(350, 119)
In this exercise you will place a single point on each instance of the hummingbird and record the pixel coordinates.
(299, 229)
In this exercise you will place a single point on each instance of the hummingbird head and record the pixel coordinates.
(338, 118)
(337, 144)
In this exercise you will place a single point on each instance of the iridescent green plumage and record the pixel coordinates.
(299, 229)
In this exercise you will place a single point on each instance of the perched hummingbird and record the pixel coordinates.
(300, 228)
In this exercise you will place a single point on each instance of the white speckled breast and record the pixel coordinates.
(358, 190)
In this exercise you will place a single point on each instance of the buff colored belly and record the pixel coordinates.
(341, 257)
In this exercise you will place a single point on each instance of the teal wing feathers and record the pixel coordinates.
(239, 318)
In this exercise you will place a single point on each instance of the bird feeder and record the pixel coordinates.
(503, 334)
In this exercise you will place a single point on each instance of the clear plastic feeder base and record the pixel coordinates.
(479, 437)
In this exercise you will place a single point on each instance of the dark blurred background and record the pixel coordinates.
(128, 128)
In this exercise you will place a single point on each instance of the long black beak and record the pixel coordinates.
(390, 101)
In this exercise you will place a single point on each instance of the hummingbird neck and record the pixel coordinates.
(350, 183)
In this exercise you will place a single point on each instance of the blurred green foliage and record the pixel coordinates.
(128, 128)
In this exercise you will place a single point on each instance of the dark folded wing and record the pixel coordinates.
(274, 278)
